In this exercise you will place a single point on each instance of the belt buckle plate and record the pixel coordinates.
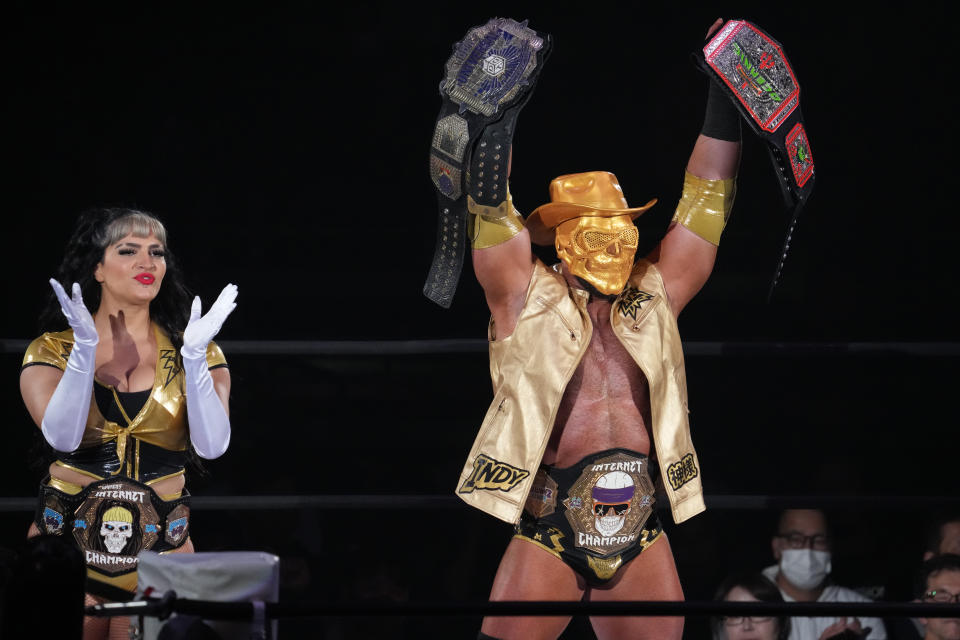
(609, 504)
(754, 67)
(491, 65)
(115, 522)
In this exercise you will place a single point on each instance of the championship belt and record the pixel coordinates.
(487, 80)
(609, 504)
(113, 520)
(754, 73)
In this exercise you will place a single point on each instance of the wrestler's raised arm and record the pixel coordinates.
(686, 255)
(502, 261)
(59, 400)
(483, 90)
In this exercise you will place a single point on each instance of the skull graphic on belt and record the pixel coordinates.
(611, 501)
(599, 249)
(116, 528)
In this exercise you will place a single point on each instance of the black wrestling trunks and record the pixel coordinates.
(112, 521)
(596, 516)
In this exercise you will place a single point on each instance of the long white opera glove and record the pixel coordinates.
(209, 423)
(66, 414)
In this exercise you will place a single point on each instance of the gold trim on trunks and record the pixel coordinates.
(77, 469)
(127, 581)
(552, 552)
(167, 497)
(162, 478)
(64, 486)
(647, 542)
(604, 568)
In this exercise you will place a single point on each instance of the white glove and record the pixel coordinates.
(209, 423)
(66, 414)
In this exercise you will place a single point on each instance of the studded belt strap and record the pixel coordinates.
(487, 80)
(754, 73)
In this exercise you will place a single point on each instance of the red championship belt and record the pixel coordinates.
(755, 74)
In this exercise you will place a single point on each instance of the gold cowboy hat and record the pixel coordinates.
(593, 193)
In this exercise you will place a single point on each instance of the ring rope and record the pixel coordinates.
(169, 603)
(471, 345)
(406, 502)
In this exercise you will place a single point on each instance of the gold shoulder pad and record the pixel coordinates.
(215, 357)
(51, 349)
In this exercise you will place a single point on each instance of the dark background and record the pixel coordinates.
(286, 148)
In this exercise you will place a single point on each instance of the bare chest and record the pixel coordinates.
(606, 404)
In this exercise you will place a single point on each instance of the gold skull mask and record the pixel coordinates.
(599, 249)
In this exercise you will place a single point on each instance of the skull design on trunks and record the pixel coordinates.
(611, 501)
(116, 528)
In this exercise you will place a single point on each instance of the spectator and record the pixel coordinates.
(750, 587)
(939, 581)
(802, 548)
(943, 536)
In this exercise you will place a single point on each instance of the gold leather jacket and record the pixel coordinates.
(530, 370)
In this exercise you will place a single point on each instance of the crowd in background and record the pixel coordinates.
(802, 549)
(47, 574)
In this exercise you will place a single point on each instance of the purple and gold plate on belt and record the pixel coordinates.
(487, 80)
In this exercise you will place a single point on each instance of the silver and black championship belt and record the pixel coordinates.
(487, 80)
(754, 72)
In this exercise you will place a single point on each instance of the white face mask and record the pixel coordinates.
(805, 568)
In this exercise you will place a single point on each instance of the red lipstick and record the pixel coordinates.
(144, 278)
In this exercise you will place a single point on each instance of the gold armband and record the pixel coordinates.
(490, 226)
(705, 206)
